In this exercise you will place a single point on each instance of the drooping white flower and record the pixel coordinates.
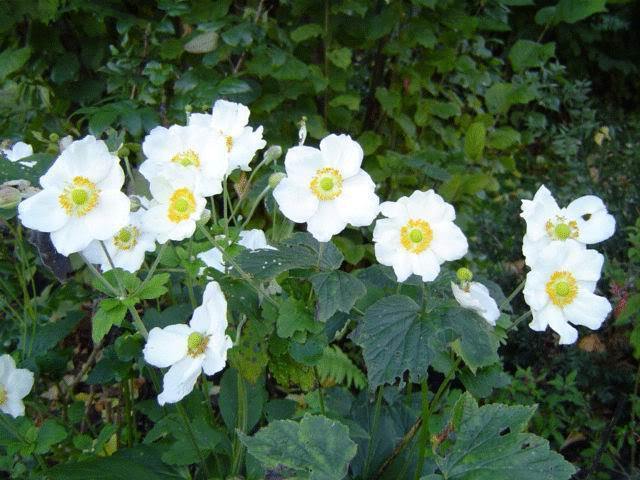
(176, 206)
(250, 239)
(15, 384)
(19, 151)
(418, 235)
(475, 296)
(126, 248)
(229, 121)
(584, 221)
(326, 188)
(192, 148)
(189, 349)
(80, 199)
(559, 290)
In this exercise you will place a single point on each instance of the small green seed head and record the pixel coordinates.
(464, 274)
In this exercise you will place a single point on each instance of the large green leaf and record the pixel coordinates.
(301, 250)
(317, 448)
(490, 444)
(569, 11)
(527, 54)
(501, 96)
(336, 290)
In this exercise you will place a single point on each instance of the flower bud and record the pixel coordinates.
(124, 152)
(188, 108)
(464, 274)
(205, 217)
(54, 137)
(275, 179)
(9, 197)
(273, 153)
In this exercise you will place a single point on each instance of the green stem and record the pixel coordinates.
(320, 391)
(241, 425)
(424, 432)
(99, 276)
(137, 321)
(152, 270)
(254, 206)
(225, 195)
(374, 430)
(123, 291)
(192, 437)
(513, 295)
(518, 320)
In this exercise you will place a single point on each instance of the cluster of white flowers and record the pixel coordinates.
(564, 273)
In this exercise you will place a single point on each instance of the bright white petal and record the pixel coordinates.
(7, 365)
(585, 265)
(588, 309)
(326, 222)
(426, 265)
(42, 212)
(534, 290)
(229, 117)
(19, 151)
(555, 318)
(342, 153)
(114, 179)
(20, 382)
(179, 381)
(296, 202)
(244, 149)
(395, 210)
(216, 355)
(302, 163)
(358, 204)
(254, 240)
(13, 406)
(109, 215)
(166, 346)
(214, 306)
(402, 266)
(89, 158)
(429, 206)
(449, 243)
(213, 258)
(73, 237)
(538, 211)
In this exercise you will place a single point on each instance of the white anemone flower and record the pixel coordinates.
(15, 384)
(126, 248)
(176, 206)
(475, 296)
(189, 147)
(250, 239)
(229, 121)
(326, 188)
(584, 221)
(189, 349)
(19, 151)
(80, 199)
(559, 290)
(418, 235)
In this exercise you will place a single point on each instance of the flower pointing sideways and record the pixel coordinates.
(176, 206)
(192, 148)
(326, 188)
(80, 199)
(418, 235)
(475, 296)
(228, 121)
(126, 248)
(15, 384)
(583, 222)
(250, 239)
(559, 290)
(189, 349)
(19, 151)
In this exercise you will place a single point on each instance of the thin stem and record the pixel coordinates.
(192, 437)
(320, 391)
(513, 295)
(99, 276)
(123, 291)
(255, 205)
(241, 425)
(374, 430)
(424, 433)
(152, 270)
(225, 195)
(137, 321)
(518, 320)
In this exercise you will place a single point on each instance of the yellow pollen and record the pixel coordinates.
(562, 229)
(79, 197)
(3, 395)
(182, 205)
(229, 142)
(416, 235)
(126, 238)
(187, 158)
(326, 184)
(562, 288)
(197, 344)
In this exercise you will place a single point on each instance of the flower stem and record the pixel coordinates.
(241, 425)
(424, 432)
(99, 276)
(192, 437)
(517, 290)
(152, 270)
(518, 320)
(137, 322)
(255, 205)
(374, 430)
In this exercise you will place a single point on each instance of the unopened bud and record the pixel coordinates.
(205, 217)
(54, 137)
(273, 153)
(124, 152)
(188, 108)
(302, 133)
(464, 274)
(9, 197)
(275, 179)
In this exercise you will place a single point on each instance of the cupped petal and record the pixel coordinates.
(7, 366)
(342, 153)
(395, 210)
(358, 204)
(129, 260)
(43, 211)
(166, 346)
(213, 258)
(216, 354)
(302, 163)
(326, 222)
(159, 146)
(531, 248)
(114, 179)
(557, 321)
(73, 237)
(588, 309)
(13, 406)
(296, 202)
(229, 117)
(20, 382)
(89, 158)
(535, 294)
(179, 381)
(429, 206)
(402, 266)
(538, 211)
(254, 240)
(244, 149)
(585, 265)
(109, 215)
(449, 243)
(426, 265)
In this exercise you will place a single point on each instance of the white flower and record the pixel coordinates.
(418, 236)
(176, 206)
(81, 199)
(126, 248)
(584, 221)
(250, 239)
(189, 349)
(192, 148)
(475, 296)
(229, 120)
(15, 384)
(559, 290)
(19, 151)
(326, 188)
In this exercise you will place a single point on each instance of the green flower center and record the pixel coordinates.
(187, 158)
(464, 274)
(416, 235)
(197, 344)
(181, 205)
(562, 231)
(563, 289)
(79, 196)
(326, 184)
(561, 228)
(126, 238)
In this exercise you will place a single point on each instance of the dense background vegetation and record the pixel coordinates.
(482, 100)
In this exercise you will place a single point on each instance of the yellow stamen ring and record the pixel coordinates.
(197, 344)
(416, 235)
(79, 197)
(126, 238)
(182, 205)
(562, 229)
(187, 158)
(326, 184)
(562, 288)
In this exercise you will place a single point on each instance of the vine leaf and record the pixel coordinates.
(336, 290)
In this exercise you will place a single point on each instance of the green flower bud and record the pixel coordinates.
(273, 153)
(275, 179)
(54, 137)
(124, 152)
(205, 217)
(188, 108)
(464, 274)
(9, 197)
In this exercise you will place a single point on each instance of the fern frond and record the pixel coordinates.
(336, 366)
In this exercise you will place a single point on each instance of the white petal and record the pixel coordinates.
(13, 406)
(109, 215)
(478, 299)
(449, 243)
(535, 293)
(558, 323)
(200, 120)
(358, 204)
(326, 222)
(402, 266)
(20, 382)
(296, 202)
(19, 151)
(426, 265)
(129, 260)
(429, 206)
(216, 355)
(244, 148)
(585, 265)
(538, 211)
(342, 153)
(302, 163)
(166, 346)
(73, 237)
(213, 258)
(395, 210)
(229, 117)
(254, 240)
(89, 158)
(214, 305)
(179, 381)
(42, 212)
(114, 179)
(7, 366)
(531, 248)
(588, 309)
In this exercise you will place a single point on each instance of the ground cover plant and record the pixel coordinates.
(324, 240)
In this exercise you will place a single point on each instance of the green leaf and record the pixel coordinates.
(503, 138)
(390, 100)
(256, 398)
(336, 291)
(501, 96)
(340, 57)
(110, 312)
(15, 170)
(13, 60)
(50, 434)
(474, 140)
(102, 119)
(305, 32)
(490, 444)
(349, 100)
(317, 448)
(203, 43)
(293, 316)
(336, 366)
(527, 54)
(572, 11)
(155, 287)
